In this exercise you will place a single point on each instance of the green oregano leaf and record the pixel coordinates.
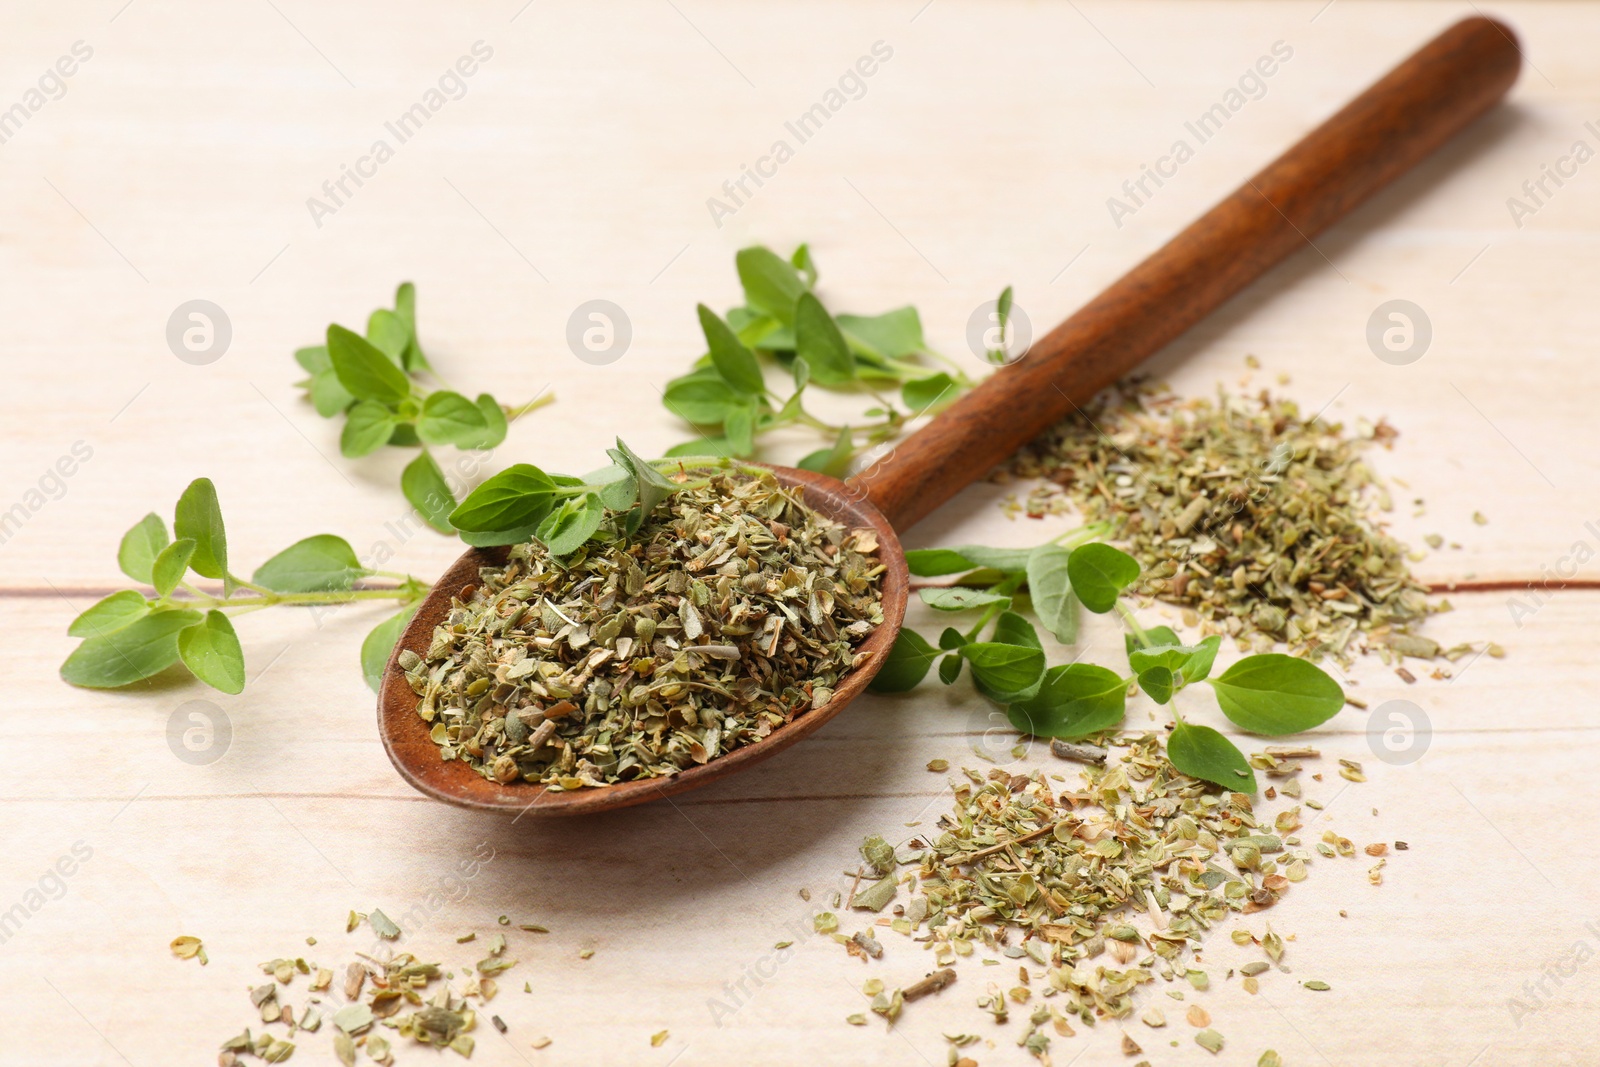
(405, 306)
(700, 397)
(368, 426)
(1201, 752)
(110, 614)
(739, 427)
(770, 284)
(1192, 661)
(1004, 672)
(379, 644)
(618, 489)
(364, 371)
(1155, 635)
(451, 419)
(1050, 589)
(700, 448)
(1158, 683)
(819, 342)
(1274, 694)
(495, 425)
(424, 485)
(389, 334)
(135, 652)
(566, 528)
(1099, 574)
(314, 359)
(922, 394)
(802, 262)
(1074, 700)
(734, 362)
(328, 395)
(654, 487)
(199, 518)
(316, 564)
(906, 665)
(172, 565)
(960, 598)
(832, 461)
(1012, 629)
(973, 557)
(936, 562)
(892, 335)
(140, 547)
(517, 497)
(210, 649)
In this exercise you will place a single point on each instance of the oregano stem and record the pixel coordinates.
(200, 598)
(805, 418)
(1133, 625)
(1092, 531)
(1173, 704)
(515, 413)
(253, 587)
(1005, 588)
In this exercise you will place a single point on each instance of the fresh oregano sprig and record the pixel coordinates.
(1270, 694)
(132, 634)
(378, 382)
(523, 503)
(726, 395)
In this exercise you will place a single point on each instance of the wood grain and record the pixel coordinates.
(1378, 136)
(981, 154)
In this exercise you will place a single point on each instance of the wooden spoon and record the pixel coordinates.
(1380, 134)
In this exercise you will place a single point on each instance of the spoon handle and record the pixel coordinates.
(1374, 139)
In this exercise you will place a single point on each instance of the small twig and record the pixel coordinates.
(1293, 752)
(1002, 846)
(541, 733)
(1079, 752)
(850, 901)
(935, 982)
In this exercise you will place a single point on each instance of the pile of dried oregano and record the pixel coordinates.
(1253, 518)
(1052, 882)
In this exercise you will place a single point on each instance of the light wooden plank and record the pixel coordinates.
(577, 165)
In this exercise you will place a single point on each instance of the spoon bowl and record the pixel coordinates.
(416, 755)
(1396, 123)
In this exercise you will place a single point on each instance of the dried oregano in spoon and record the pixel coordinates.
(654, 644)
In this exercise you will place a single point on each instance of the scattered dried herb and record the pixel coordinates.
(386, 993)
(382, 925)
(189, 948)
(1058, 877)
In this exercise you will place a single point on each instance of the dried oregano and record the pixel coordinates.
(731, 609)
(1252, 516)
(1061, 877)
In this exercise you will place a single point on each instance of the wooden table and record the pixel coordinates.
(577, 164)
